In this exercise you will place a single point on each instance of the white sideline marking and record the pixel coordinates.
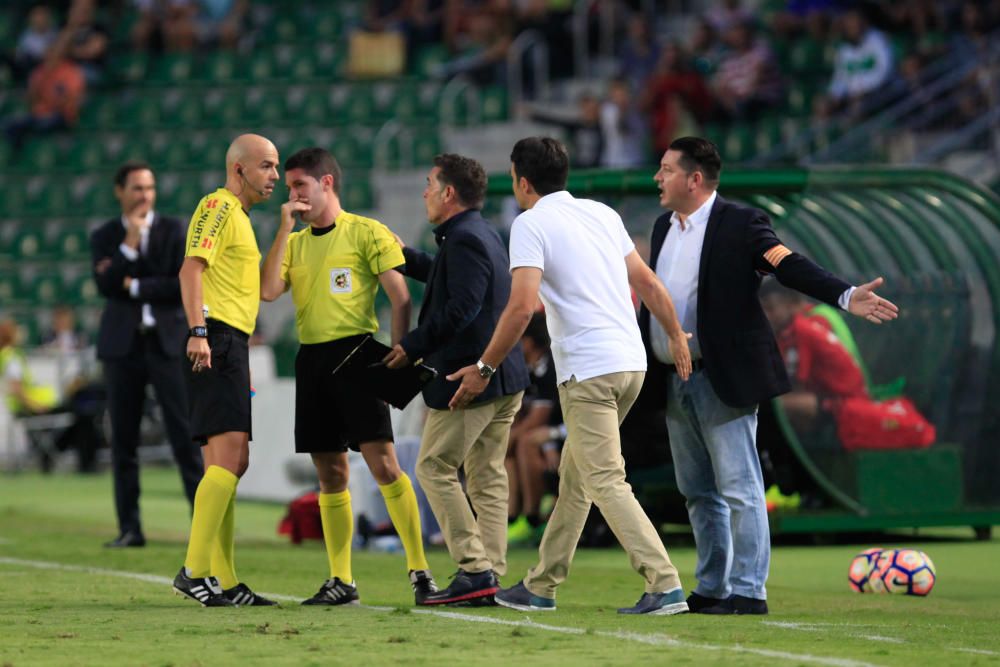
(821, 627)
(977, 651)
(653, 639)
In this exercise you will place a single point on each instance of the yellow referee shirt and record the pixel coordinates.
(220, 233)
(334, 277)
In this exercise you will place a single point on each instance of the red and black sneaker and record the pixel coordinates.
(466, 589)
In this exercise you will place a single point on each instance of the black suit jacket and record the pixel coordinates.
(738, 348)
(468, 285)
(159, 286)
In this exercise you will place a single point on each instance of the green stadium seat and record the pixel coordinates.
(9, 287)
(129, 69)
(493, 103)
(41, 154)
(399, 102)
(768, 134)
(173, 68)
(72, 242)
(327, 26)
(28, 244)
(46, 289)
(221, 108)
(349, 151)
(357, 194)
(806, 56)
(358, 106)
(428, 59)
(738, 144)
(800, 97)
(426, 144)
(224, 67)
(261, 66)
(99, 111)
(86, 155)
(82, 291)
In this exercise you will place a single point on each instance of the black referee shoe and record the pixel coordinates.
(334, 592)
(205, 591)
(423, 585)
(241, 596)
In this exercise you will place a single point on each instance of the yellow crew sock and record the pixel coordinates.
(401, 501)
(211, 502)
(223, 561)
(338, 531)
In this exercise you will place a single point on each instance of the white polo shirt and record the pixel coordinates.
(580, 245)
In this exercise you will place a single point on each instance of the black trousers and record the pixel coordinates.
(127, 378)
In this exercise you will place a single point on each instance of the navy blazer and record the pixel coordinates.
(738, 348)
(468, 285)
(159, 286)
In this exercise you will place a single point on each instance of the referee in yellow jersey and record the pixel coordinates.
(334, 268)
(220, 277)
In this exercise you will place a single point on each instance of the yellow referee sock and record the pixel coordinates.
(338, 531)
(223, 561)
(211, 501)
(401, 501)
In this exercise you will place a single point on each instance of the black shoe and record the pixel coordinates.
(698, 603)
(241, 596)
(465, 587)
(205, 591)
(335, 592)
(744, 605)
(423, 585)
(127, 539)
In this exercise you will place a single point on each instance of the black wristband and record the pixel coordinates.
(198, 332)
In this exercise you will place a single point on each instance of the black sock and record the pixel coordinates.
(533, 520)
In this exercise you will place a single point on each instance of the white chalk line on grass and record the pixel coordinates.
(822, 627)
(977, 651)
(649, 639)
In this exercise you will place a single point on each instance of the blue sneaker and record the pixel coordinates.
(659, 604)
(520, 598)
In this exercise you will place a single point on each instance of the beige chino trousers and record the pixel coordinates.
(592, 470)
(476, 438)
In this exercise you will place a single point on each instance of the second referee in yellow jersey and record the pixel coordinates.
(334, 268)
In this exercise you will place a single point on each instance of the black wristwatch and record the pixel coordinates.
(198, 332)
(485, 370)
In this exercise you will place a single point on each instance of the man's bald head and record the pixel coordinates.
(251, 168)
(249, 148)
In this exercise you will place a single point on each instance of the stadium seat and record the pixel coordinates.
(172, 68)
(357, 194)
(71, 242)
(82, 291)
(223, 67)
(129, 69)
(426, 144)
(493, 103)
(738, 145)
(45, 289)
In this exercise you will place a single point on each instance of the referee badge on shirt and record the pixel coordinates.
(340, 281)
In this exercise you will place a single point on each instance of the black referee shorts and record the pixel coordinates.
(332, 411)
(220, 395)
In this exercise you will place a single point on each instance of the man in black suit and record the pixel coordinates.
(141, 338)
(468, 284)
(711, 254)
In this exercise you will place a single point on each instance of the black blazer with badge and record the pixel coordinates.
(468, 285)
(156, 270)
(738, 347)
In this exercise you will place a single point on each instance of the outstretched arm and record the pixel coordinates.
(525, 282)
(656, 297)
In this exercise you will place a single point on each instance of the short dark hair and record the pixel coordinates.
(698, 154)
(538, 331)
(772, 289)
(543, 161)
(121, 176)
(317, 162)
(464, 174)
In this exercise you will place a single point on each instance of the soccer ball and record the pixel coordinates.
(905, 571)
(859, 576)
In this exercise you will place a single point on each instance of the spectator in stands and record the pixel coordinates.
(55, 92)
(526, 462)
(551, 18)
(424, 23)
(87, 40)
(705, 48)
(640, 52)
(136, 258)
(583, 129)
(623, 127)
(675, 97)
(220, 22)
(862, 67)
(800, 16)
(728, 15)
(482, 48)
(748, 81)
(168, 25)
(34, 42)
(65, 337)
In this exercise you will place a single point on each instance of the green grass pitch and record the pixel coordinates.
(64, 600)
